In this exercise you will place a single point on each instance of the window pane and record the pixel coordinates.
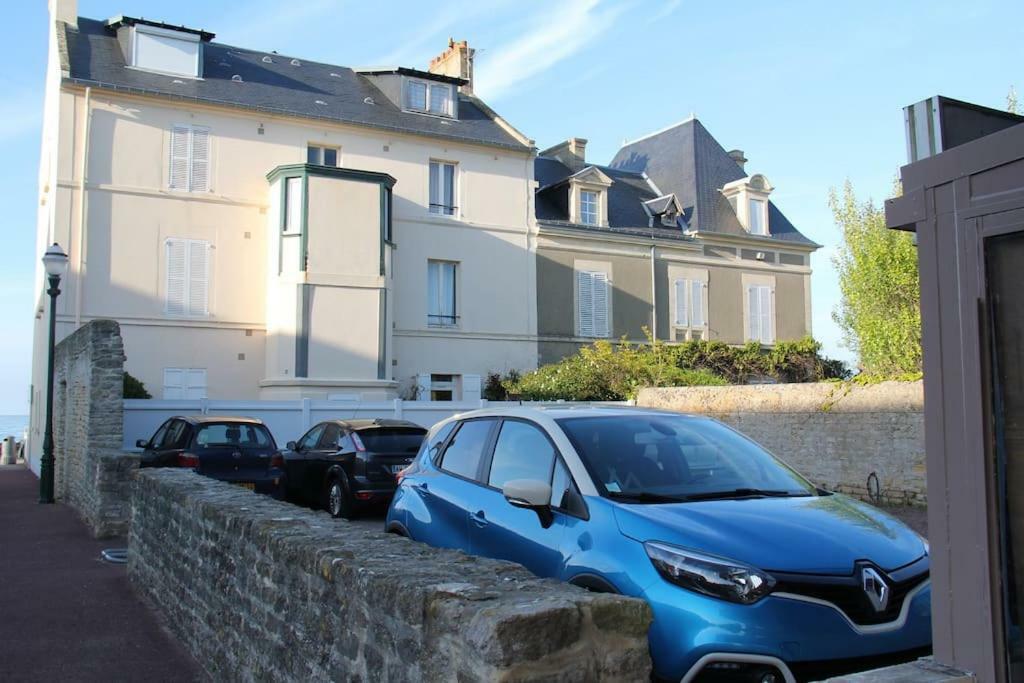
(416, 95)
(561, 483)
(448, 189)
(393, 439)
(293, 205)
(253, 436)
(521, 452)
(588, 207)
(462, 457)
(448, 290)
(757, 217)
(433, 288)
(330, 157)
(312, 154)
(440, 99)
(434, 445)
(311, 438)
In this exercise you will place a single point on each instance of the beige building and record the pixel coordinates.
(262, 226)
(673, 238)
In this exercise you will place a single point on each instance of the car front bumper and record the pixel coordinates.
(690, 631)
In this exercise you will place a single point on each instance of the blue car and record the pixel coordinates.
(752, 573)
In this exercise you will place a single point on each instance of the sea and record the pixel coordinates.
(13, 425)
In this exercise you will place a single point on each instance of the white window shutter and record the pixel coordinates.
(200, 171)
(765, 309)
(174, 384)
(179, 171)
(753, 315)
(195, 383)
(198, 277)
(177, 268)
(682, 317)
(697, 303)
(471, 387)
(600, 281)
(585, 303)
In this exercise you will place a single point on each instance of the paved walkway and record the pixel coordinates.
(65, 615)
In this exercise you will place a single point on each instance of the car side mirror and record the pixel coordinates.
(530, 494)
(142, 443)
(292, 446)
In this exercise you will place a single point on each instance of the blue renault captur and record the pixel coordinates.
(752, 573)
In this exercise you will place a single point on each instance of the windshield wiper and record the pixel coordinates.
(746, 493)
(644, 497)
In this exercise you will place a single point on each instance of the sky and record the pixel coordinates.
(812, 92)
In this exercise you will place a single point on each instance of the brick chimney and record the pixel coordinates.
(64, 10)
(456, 61)
(738, 156)
(572, 153)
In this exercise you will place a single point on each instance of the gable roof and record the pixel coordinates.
(626, 197)
(686, 160)
(307, 89)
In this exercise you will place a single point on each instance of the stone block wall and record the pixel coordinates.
(262, 590)
(91, 473)
(867, 441)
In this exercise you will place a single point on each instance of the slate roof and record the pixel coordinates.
(687, 161)
(626, 196)
(280, 87)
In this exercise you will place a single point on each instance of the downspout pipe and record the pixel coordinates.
(80, 262)
(654, 298)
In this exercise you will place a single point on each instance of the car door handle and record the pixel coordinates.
(479, 519)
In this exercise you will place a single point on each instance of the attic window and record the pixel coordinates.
(155, 48)
(757, 220)
(428, 97)
(590, 203)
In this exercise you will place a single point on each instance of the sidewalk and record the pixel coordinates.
(65, 615)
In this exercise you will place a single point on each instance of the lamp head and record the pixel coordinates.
(55, 261)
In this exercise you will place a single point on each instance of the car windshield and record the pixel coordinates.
(241, 435)
(393, 440)
(665, 458)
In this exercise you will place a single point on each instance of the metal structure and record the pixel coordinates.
(55, 262)
(965, 200)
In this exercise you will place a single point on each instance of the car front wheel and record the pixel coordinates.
(339, 502)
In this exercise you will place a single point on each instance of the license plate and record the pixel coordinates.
(246, 485)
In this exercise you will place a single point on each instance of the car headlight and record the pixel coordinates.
(710, 575)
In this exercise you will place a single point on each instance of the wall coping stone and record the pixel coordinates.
(924, 670)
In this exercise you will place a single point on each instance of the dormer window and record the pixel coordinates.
(749, 199)
(428, 97)
(162, 48)
(590, 207)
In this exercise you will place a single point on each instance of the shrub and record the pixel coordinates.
(614, 372)
(495, 386)
(134, 388)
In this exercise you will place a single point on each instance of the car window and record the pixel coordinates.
(464, 451)
(311, 438)
(332, 434)
(172, 435)
(433, 445)
(393, 439)
(561, 485)
(522, 451)
(233, 434)
(158, 438)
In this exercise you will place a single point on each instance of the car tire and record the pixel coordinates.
(339, 500)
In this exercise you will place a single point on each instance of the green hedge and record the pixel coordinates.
(614, 372)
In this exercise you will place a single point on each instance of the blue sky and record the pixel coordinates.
(811, 91)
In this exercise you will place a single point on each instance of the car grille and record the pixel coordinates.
(848, 594)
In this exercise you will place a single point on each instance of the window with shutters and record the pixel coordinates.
(442, 188)
(689, 297)
(760, 314)
(188, 277)
(184, 383)
(592, 296)
(190, 158)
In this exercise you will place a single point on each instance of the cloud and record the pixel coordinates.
(550, 38)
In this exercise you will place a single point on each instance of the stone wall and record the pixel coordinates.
(91, 472)
(867, 441)
(261, 590)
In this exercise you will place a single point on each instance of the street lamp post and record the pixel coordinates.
(56, 263)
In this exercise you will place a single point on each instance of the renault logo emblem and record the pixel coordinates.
(875, 588)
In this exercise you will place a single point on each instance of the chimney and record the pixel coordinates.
(456, 61)
(572, 153)
(737, 156)
(64, 10)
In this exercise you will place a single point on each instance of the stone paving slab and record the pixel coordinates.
(65, 615)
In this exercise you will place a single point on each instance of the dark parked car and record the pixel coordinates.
(346, 465)
(239, 450)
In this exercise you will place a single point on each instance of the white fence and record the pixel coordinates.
(288, 420)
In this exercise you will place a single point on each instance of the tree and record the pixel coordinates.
(1011, 101)
(880, 309)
